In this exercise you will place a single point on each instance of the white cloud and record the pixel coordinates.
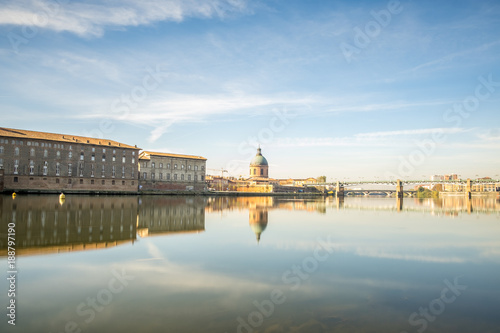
(92, 19)
(363, 139)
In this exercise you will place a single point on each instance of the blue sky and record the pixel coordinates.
(347, 89)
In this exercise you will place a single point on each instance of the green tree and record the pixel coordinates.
(321, 179)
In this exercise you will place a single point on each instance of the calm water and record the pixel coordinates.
(195, 264)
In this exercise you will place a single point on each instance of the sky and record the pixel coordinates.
(352, 90)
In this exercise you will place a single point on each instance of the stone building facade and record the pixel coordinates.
(171, 172)
(44, 162)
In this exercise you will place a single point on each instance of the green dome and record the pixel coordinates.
(258, 160)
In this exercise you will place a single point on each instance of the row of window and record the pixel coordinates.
(49, 145)
(70, 181)
(160, 177)
(45, 169)
(153, 166)
(70, 155)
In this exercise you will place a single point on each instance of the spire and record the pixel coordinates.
(259, 151)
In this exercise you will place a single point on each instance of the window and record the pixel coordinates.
(104, 150)
(182, 166)
(144, 175)
(168, 165)
(92, 171)
(261, 172)
(32, 152)
(81, 181)
(168, 176)
(195, 168)
(103, 170)
(202, 168)
(57, 181)
(153, 165)
(45, 168)
(1, 149)
(16, 151)
(152, 176)
(113, 171)
(1, 163)
(114, 158)
(70, 167)
(69, 181)
(45, 153)
(123, 159)
(202, 178)
(58, 169)
(114, 151)
(161, 165)
(182, 177)
(123, 171)
(32, 167)
(16, 179)
(70, 147)
(189, 167)
(93, 149)
(133, 153)
(58, 154)
(175, 166)
(175, 176)
(189, 177)
(133, 160)
(81, 156)
(103, 157)
(16, 167)
(92, 158)
(161, 176)
(123, 182)
(92, 182)
(195, 178)
(113, 182)
(254, 171)
(103, 182)
(70, 154)
(81, 169)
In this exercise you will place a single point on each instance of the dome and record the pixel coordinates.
(258, 159)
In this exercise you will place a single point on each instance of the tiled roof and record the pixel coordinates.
(25, 134)
(145, 155)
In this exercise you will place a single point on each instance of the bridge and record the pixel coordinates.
(466, 186)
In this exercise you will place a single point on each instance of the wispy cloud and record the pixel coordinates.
(381, 139)
(91, 19)
(452, 130)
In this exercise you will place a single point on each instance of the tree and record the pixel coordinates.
(321, 179)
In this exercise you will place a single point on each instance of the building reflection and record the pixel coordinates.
(44, 225)
(160, 215)
(47, 224)
(259, 207)
(258, 219)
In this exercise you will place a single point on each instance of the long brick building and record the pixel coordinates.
(171, 172)
(39, 161)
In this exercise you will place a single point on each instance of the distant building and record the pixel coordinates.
(171, 172)
(298, 182)
(42, 162)
(437, 178)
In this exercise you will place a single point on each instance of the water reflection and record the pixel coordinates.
(160, 215)
(383, 260)
(44, 225)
